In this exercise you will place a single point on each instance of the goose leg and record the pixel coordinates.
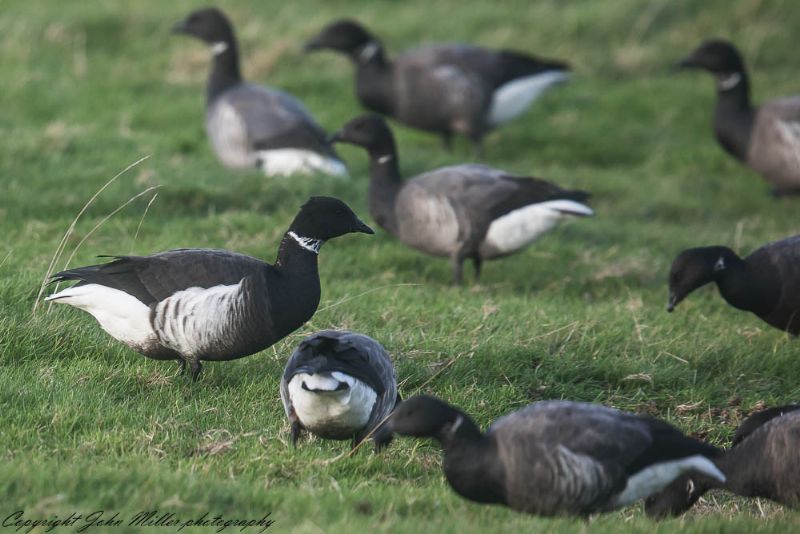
(457, 262)
(194, 367)
(297, 429)
(476, 261)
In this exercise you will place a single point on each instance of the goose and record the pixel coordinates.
(446, 89)
(461, 212)
(764, 461)
(766, 138)
(202, 304)
(766, 283)
(252, 126)
(338, 385)
(553, 457)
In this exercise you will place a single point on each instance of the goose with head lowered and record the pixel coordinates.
(460, 212)
(553, 457)
(766, 283)
(338, 385)
(251, 126)
(764, 461)
(201, 304)
(766, 138)
(447, 89)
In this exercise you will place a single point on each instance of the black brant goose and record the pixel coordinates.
(338, 385)
(201, 304)
(251, 125)
(764, 461)
(553, 457)
(767, 282)
(766, 138)
(447, 89)
(461, 212)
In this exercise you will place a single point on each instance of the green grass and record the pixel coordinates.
(86, 424)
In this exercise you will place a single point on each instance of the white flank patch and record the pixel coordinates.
(658, 476)
(123, 316)
(521, 227)
(513, 98)
(288, 161)
(347, 409)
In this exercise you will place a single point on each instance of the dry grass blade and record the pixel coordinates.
(146, 209)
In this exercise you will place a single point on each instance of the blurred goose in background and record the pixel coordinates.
(553, 457)
(338, 385)
(764, 461)
(766, 138)
(447, 89)
(460, 212)
(251, 125)
(767, 282)
(200, 304)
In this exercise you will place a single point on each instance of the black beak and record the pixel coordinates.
(673, 301)
(685, 63)
(383, 436)
(180, 27)
(335, 137)
(361, 227)
(312, 45)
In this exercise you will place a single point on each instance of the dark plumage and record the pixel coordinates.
(447, 89)
(766, 283)
(764, 461)
(766, 138)
(553, 457)
(251, 125)
(198, 304)
(338, 385)
(460, 212)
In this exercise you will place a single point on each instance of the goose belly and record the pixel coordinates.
(289, 161)
(331, 414)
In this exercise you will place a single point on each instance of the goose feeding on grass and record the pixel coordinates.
(766, 283)
(250, 125)
(200, 304)
(553, 457)
(460, 212)
(764, 461)
(338, 385)
(447, 89)
(766, 138)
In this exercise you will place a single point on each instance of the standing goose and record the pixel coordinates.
(553, 457)
(201, 304)
(338, 385)
(767, 282)
(447, 89)
(764, 461)
(460, 212)
(251, 125)
(766, 138)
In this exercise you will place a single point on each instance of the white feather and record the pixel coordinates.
(513, 98)
(123, 316)
(288, 161)
(347, 409)
(521, 227)
(656, 477)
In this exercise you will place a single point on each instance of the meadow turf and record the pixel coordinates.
(86, 424)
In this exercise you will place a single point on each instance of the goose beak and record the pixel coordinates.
(335, 137)
(383, 436)
(179, 27)
(361, 227)
(686, 63)
(673, 301)
(312, 45)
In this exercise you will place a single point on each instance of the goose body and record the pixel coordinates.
(447, 89)
(461, 212)
(200, 304)
(553, 457)
(254, 126)
(338, 385)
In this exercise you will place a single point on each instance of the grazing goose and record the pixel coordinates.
(447, 89)
(766, 138)
(338, 385)
(553, 457)
(201, 304)
(767, 282)
(250, 125)
(461, 212)
(763, 462)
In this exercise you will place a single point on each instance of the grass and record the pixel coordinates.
(90, 87)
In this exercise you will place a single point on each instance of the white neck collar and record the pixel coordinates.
(219, 47)
(729, 82)
(369, 50)
(311, 245)
(385, 159)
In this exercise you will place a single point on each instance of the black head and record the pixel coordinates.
(422, 416)
(367, 131)
(756, 420)
(694, 268)
(209, 25)
(345, 36)
(675, 499)
(325, 218)
(716, 56)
